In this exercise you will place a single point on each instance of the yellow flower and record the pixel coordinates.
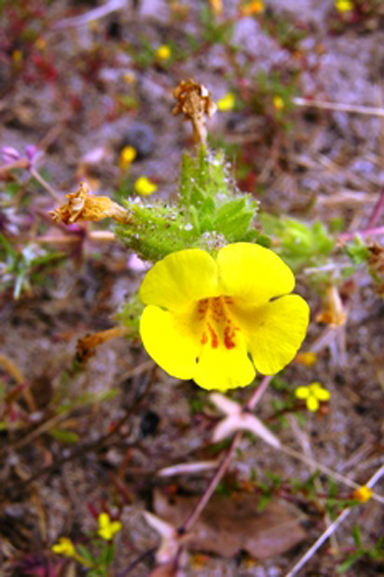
(216, 7)
(313, 394)
(17, 57)
(163, 52)
(227, 102)
(307, 359)
(253, 7)
(362, 494)
(344, 5)
(127, 156)
(41, 43)
(108, 528)
(278, 102)
(145, 186)
(64, 547)
(129, 78)
(204, 316)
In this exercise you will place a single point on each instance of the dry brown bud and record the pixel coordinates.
(376, 264)
(333, 313)
(86, 347)
(376, 257)
(83, 206)
(195, 102)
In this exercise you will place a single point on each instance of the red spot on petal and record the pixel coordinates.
(214, 337)
(204, 338)
(229, 335)
(202, 307)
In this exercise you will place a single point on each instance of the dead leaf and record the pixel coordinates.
(230, 524)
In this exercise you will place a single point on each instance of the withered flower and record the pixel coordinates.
(195, 102)
(333, 312)
(86, 347)
(376, 266)
(83, 206)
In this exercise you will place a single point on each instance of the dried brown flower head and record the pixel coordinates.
(86, 347)
(376, 257)
(83, 206)
(376, 266)
(333, 312)
(195, 102)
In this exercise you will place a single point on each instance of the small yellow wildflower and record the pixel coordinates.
(17, 57)
(362, 494)
(253, 7)
(278, 102)
(216, 7)
(144, 186)
(313, 394)
(163, 53)
(64, 547)
(41, 43)
(199, 561)
(108, 528)
(307, 359)
(129, 78)
(127, 156)
(227, 102)
(344, 5)
(204, 316)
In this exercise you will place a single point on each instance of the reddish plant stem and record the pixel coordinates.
(368, 232)
(212, 485)
(250, 405)
(378, 209)
(259, 392)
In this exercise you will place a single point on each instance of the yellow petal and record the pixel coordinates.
(144, 186)
(103, 520)
(302, 392)
(253, 273)
(362, 494)
(105, 533)
(169, 339)
(227, 102)
(116, 526)
(163, 52)
(307, 359)
(275, 331)
(322, 394)
(180, 279)
(312, 404)
(222, 369)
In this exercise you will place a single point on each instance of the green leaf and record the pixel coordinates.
(357, 536)
(357, 251)
(85, 553)
(64, 436)
(351, 560)
(263, 502)
(299, 244)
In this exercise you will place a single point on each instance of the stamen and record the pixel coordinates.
(229, 335)
(214, 337)
(218, 325)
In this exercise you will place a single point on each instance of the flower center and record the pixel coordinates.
(218, 326)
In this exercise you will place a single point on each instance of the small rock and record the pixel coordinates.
(142, 138)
